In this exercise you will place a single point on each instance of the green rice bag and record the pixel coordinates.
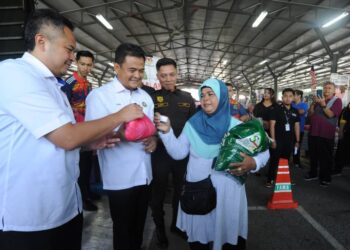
(249, 138)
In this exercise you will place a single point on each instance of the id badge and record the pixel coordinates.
(287, 127)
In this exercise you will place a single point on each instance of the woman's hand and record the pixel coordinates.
(161, 126)
(240, 168)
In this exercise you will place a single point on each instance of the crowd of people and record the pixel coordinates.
(52, 128)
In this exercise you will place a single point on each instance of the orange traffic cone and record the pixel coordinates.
(282, 197)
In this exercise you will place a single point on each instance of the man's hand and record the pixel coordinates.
(131, 112)
(150, 144)
(246, 165)
(108, 141)
(320, 100)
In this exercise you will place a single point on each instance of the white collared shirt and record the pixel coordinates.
(38, 180)
(126, 165)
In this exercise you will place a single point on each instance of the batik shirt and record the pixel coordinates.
(77, 88)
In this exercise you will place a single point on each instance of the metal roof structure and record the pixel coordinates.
(215, 38)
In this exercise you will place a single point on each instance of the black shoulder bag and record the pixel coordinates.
(198, 197)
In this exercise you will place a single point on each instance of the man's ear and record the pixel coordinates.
(40, 42)
(117, 67)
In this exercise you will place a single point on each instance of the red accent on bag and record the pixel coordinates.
(139, 129)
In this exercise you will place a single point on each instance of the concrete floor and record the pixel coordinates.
(322, 220)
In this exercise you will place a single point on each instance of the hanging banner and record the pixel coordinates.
(150, 76)
(339, 79)
(341, 86)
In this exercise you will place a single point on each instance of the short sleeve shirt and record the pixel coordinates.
(263, 112)
(285, 121)
(128, 164)
(77, 88)
(322, 126)
(305, 107)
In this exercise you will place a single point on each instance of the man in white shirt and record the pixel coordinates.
(40, 201)
(126, 169)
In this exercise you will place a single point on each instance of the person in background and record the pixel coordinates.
(237, 110)
(40, 200)
(264, 108)
(302, 108)
(77, 87)
(178, 106)
(227, 225)
(284, 131)
(342, 153)
(126, 169)
(324, 113)
(250, 110)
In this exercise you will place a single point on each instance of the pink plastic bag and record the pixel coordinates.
(139, 129)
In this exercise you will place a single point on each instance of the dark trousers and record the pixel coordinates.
(342, 155)
(128, 208)
(67, 236)
(296, 157)
(162, 166)
(321, 155)
(85, 166)
(283, 150)
(241, 245)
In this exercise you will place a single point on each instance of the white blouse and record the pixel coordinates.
(230, 217)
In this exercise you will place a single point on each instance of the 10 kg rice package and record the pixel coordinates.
(249, 138)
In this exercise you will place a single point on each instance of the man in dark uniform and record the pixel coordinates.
(179, 107)
(284, 130)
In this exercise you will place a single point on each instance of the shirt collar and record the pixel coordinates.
(78, 77)
(119, 87)
(36, 63)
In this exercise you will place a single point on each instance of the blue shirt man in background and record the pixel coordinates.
(302, 108)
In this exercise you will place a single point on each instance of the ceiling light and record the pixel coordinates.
(262, 62)
(224, 62)
(111, 64)
(300, 62)
(316, 61)
(104, 21)
(344, 14)
(260, 18)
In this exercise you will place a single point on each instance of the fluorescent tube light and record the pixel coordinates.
(316, 61)
(262, 62)
(344, 14)
(260, 18)
(104, 21)
(301, 62)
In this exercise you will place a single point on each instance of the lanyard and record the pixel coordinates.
(286, 113)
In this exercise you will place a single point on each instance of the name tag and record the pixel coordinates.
(287, 127)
